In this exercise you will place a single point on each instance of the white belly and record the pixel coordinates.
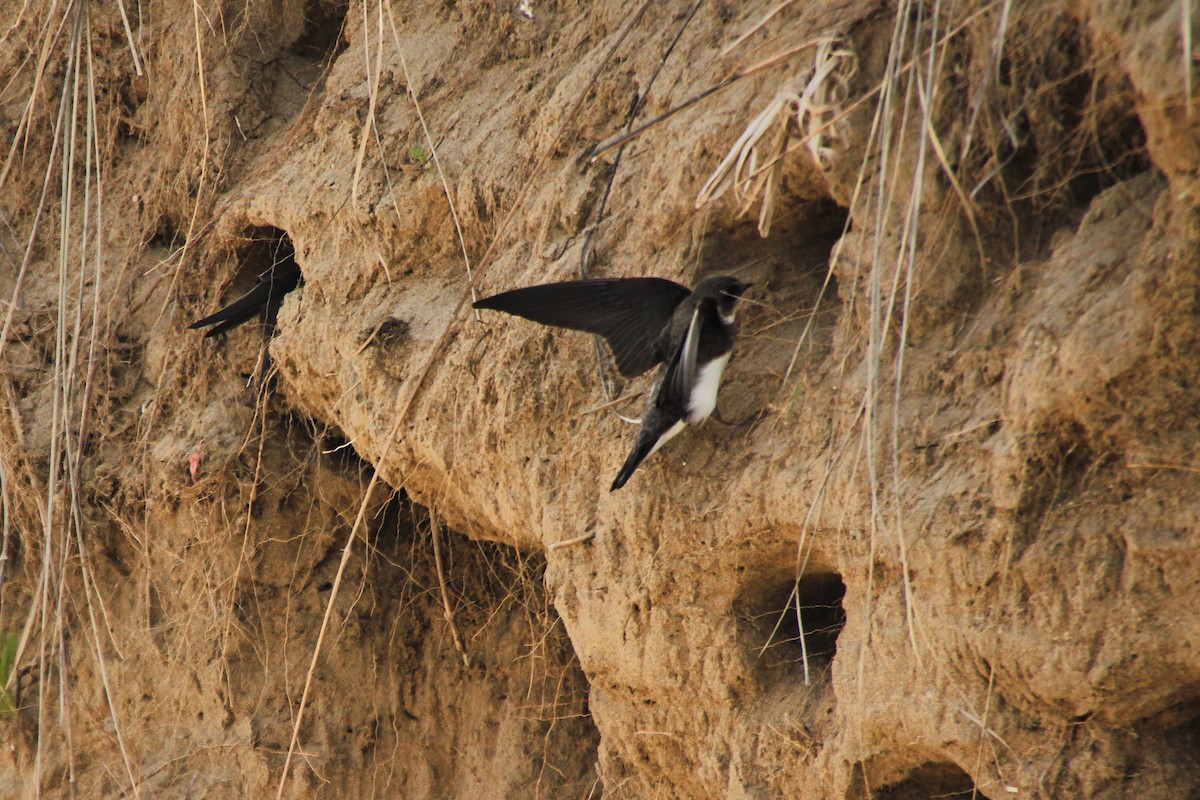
(666, 437)
(703, 400)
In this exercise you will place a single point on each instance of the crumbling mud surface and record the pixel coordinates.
(370, 551)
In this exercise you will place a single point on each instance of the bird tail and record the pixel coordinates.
(643, 448)
(267, 295)
(236, 312)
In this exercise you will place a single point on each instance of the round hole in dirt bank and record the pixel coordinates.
(321, 39)
(791, 264)
(264, 247)
(794, 624)
(267, 272)
(1160, 750)
(932, 779)
(820, 614)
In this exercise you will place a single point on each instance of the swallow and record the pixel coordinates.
(646, 322)
(267, 295)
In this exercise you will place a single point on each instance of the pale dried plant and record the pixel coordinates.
(407, 395)
(809, 108)
(62, 593)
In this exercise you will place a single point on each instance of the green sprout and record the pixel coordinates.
(8, 654)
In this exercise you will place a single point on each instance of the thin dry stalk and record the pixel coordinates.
(347, 550)
(755, 27)
(435, 532)
(5, 526)
(611, 403)
(49, 43)
(202, 184)
(878, 311)
(808, 107)
(1185, 34)
(372, 96)
(260, 415)
(51, 633)
(35, 226)
(436, 352)
(585, 252)
(435, 356)
(433, 151)
(594, 152)
(74, 462)
(587, 537)
(137, 61)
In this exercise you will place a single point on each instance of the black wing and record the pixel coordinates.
(676, 391)
(629, 313)
(268, 294)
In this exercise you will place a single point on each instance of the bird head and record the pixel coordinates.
(725, 290)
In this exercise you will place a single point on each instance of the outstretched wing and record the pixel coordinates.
(629, 313)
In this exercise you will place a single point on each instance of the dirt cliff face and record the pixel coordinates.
(371, 551)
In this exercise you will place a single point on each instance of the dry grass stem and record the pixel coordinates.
(807, 107)
(435, 533)
(433, 152)
(755, 27)
(611, 403)
(587, 537)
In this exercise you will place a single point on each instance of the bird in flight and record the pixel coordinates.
(646, 321)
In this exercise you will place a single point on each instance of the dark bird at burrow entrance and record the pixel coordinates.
(646, 321)
(267, 295)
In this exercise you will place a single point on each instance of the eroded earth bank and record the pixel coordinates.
(953, 552)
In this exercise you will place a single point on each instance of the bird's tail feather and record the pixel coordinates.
(643, 448)
(236, 312)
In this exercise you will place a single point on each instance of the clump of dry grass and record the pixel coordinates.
(1048, 120)
(808, 108)
(55, 561)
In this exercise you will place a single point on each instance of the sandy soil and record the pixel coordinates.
(955, 553)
